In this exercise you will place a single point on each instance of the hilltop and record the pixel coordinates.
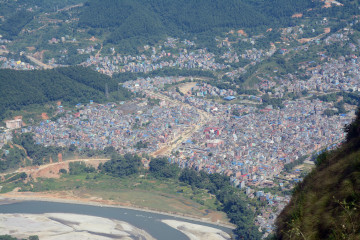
(326, 204)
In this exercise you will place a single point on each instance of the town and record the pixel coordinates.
(196, 124)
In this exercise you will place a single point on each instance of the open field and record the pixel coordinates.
(186, 87)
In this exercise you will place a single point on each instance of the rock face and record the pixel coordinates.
(61, 226)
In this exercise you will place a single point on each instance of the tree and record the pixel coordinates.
(161, 168)
(120, 166)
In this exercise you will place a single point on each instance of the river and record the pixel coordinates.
(148, 221)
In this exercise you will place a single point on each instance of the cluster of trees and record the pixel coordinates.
(71, 84)
(352, 98)
(275, 102)
(76, 168)
(121, 165)
(160, 168)
(141, 144)
(153, 101)
(233, 205)
(8, 237)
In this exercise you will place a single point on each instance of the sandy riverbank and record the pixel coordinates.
(198, 232)
(64, 226)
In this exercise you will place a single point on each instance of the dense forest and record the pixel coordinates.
(14, 24)
(72, 84)
(149, 20)
(326, 205)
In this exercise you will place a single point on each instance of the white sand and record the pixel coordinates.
(198, 232)
(61, 226)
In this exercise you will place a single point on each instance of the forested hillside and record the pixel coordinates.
(72, 84)
(154, 18)
(18, 14)
(326, 205)
(12, 26)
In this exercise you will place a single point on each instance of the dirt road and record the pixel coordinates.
(39, 63)
(51, 170)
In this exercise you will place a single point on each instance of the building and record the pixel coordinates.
(13, 124)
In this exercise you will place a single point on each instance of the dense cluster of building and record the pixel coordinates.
(199, 59)
(254, 145)
(205, 89)
(333, 76)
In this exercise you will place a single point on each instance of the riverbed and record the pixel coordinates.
(150, 222)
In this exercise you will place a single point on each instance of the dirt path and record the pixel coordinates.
(98, 53)
(70, 7)
(39, 63)
(305, 40)
(51, 170)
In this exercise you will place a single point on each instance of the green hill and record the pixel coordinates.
(326, 205)
(152, 19)
(72, 84)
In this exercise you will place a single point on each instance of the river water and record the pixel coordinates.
(148, 221)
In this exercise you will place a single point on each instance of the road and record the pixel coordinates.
(98, 53)
(33, 170)
(169, 146)
(69, 161)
